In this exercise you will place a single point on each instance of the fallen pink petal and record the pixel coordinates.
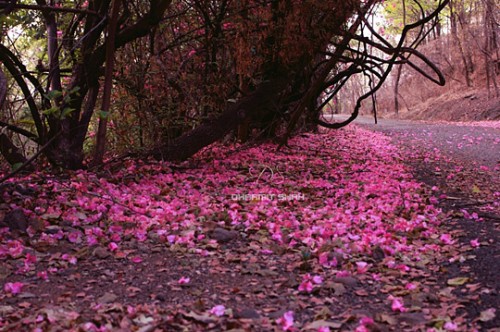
(183, 280)
(136, 259)
(397, 305)
(475, 243)
(362, 267)
(13, 287)
(450, 326)
(286, 321)
(218, 310)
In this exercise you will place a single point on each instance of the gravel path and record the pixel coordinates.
(473, 144)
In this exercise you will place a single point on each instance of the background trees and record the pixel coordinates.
(183, 74)
(464, 44)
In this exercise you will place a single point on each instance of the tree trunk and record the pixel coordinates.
(453, 20)
(216, 128)
(491, 45)
(396, 89)
(67, 149)
(400, 69)
(313, 115)
(108, 83)
(244, 126)
(54, 79)
(463, 47)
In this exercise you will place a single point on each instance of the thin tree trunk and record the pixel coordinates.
(108, 83)
(17, 70)
(453, 19)
(396, 89)
(400, 69)
(244, 126)
(54, 81)
(490, 28)
(464, 51)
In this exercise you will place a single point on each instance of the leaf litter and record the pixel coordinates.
(333, 233)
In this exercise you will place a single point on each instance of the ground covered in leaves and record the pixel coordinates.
(330, 234)
(461, 162)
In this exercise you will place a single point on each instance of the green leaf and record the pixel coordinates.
(103, 115)
(67, 111)
(50, 111)
(16, 166)
(26, 122)
(74, 91)
(54, 94)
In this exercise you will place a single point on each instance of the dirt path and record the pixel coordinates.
(462, 163)
(471, 144)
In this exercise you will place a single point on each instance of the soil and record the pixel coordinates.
(256, 292)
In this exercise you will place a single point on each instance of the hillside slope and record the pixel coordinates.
(466, 105)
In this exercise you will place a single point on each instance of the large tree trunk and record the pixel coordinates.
(216, 128)
(69, 132)
(67, 149)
